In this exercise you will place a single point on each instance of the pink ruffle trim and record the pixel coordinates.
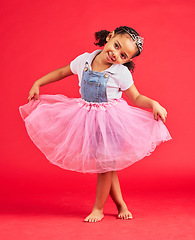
(97, 106)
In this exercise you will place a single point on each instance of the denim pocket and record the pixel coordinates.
(92, 83)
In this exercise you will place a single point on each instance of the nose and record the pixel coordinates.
(115, 55)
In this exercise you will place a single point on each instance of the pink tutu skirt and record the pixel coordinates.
(91, 137)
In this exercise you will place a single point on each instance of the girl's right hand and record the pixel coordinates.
(34, 92)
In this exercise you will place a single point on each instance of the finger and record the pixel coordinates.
(36, 96)
(29, 98)
(155, 116)
(163, 119)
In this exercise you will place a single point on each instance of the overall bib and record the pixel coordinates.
(93, 85)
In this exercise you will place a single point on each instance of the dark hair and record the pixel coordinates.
(101, 36)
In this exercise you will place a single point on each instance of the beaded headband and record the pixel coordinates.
(137, 39)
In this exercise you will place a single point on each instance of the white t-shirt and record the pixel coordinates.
(120, 79)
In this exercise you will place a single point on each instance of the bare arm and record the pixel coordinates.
(143, 101)
(53, 76)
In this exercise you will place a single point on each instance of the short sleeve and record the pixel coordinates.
(126, 79)
(75, 65)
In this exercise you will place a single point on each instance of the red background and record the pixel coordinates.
(40, 36)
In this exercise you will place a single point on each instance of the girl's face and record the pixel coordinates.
(119, 49)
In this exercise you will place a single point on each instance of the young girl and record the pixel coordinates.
(99, 132)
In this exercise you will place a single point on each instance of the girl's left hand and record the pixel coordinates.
(160, 111)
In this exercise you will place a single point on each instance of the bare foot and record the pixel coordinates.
(95, 216)
(123, 213)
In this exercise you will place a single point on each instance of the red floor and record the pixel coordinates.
(157, 216)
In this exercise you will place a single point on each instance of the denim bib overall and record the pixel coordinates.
(93, 85)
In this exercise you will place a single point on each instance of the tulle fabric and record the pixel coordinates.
(91, 137)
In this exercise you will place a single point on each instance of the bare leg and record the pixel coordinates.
(116, 195)
(102, 192)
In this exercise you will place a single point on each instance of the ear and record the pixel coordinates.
(110, 35)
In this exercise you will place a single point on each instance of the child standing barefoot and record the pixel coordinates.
(99, 132)
(108, 183)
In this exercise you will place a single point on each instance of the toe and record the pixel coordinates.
(130, 215)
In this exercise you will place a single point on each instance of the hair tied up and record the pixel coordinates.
(100, 37)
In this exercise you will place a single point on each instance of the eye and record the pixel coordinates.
(116, 45)
(123, 56)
